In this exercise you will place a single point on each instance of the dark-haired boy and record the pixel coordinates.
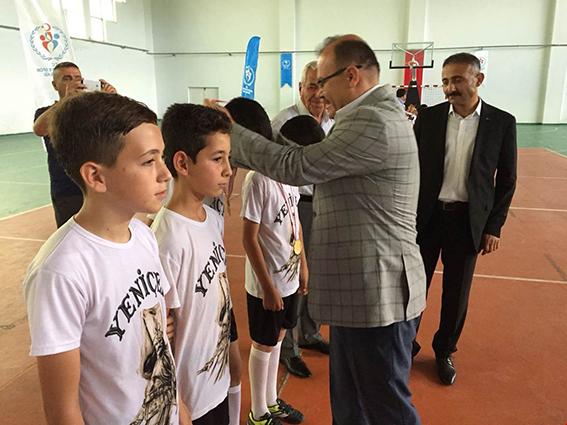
(275, 267)
(96, 290)
(190, 238)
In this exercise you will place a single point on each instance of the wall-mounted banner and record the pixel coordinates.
(250, 65)
(45, 43)
(286, 65)
(482, 56)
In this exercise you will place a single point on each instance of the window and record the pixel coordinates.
(75, 18)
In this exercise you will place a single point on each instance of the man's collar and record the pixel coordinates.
(349, 107)
(476, 111)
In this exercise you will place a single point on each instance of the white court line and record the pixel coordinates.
(11, 238)
(487, 276)
(556, 153)
(522, 279)
(26, 183)
(23, 212)
(538, 209)
(17, 153)
(543, 177)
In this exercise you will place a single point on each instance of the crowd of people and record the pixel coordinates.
(346, 211)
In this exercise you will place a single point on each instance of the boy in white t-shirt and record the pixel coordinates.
(275, 268)
(190, 239)
(95, 292)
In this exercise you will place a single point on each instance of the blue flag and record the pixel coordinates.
(250, 64)
(285, 69)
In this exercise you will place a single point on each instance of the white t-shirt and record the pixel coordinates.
(263, 203)
(194, 260)
(107, 299)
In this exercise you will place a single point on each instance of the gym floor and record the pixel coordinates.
(511, 363)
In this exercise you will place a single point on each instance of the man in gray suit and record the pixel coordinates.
(367, 276)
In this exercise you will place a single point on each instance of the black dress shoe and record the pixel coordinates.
(446, 370)
(296, 366)
(321, 346)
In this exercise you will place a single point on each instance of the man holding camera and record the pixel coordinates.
(66, 196)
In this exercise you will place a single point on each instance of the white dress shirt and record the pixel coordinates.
(459, 146)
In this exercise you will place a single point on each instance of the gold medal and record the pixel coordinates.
(297, 247)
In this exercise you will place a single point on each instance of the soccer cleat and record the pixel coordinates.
(286, 412)
(266, 419)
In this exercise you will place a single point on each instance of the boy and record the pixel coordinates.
(275, 267)
(95, 291)
(190, 238)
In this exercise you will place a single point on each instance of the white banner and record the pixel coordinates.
(45, 42)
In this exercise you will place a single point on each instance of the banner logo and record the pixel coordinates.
(250, 66)
(49, 42)
(249, 76)
(286, 62)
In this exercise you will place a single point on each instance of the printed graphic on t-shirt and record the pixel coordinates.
(145, 285)
(157, 368)
(216, 204)
(219, 360)
(290, 269)
(217, 257)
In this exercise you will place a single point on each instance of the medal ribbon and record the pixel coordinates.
(292, 215)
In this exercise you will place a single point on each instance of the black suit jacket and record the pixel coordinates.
(492, 178)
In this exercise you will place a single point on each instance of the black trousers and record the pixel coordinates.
(449, 235)
(369, 374)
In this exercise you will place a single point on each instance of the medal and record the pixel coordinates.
(297, 247)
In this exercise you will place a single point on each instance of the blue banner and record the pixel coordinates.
(250, 65)
(285, 69)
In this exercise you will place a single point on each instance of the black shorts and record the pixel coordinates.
(233, 328)
(265, 325)
(217, 416)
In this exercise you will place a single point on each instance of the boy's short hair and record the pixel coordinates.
(91, 126)
(303, 130)
(400, 92)
(185, 128)
(251, 115)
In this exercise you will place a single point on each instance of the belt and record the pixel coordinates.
(452, 206)
(305, 198)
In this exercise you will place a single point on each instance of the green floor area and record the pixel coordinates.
(24, 181)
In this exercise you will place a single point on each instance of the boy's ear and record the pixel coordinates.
(181, 162)
(92, 176)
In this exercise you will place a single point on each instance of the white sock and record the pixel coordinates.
(234, 405)
(272, 385)
(258, 373)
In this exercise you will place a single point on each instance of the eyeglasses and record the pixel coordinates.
(321, 81)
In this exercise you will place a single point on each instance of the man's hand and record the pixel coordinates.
(490, 244)
(303, 281)
(74, 88)
(106, 87)
(216, 104)
(272, 300)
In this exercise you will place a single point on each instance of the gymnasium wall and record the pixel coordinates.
(130, 71)
(197, 43)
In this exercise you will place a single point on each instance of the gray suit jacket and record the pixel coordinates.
(365, 266)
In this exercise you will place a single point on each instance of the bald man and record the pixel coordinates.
(367, 279)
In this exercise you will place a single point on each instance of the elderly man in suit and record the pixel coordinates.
(366, 273)
(467, 152)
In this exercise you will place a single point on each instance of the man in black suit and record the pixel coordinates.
(467, 153)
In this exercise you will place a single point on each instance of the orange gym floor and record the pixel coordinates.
(511, 363)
